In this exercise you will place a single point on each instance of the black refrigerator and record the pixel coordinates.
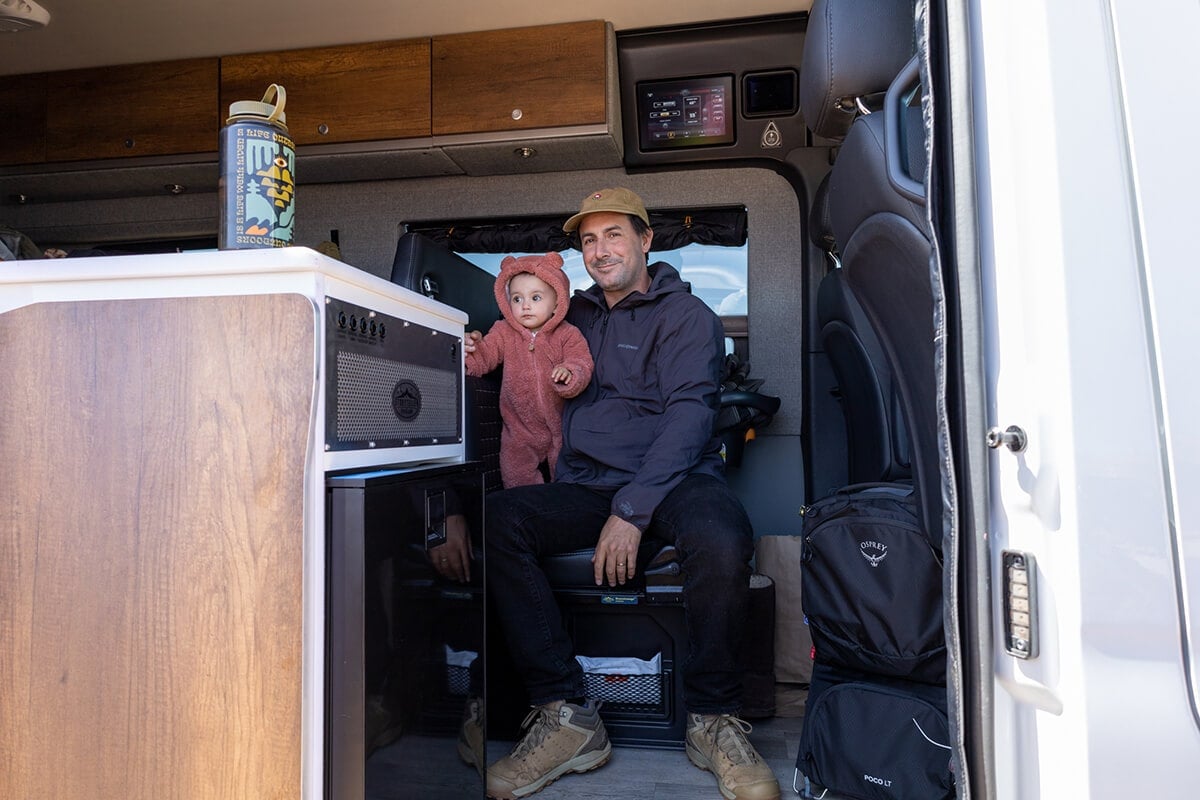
(405, 689)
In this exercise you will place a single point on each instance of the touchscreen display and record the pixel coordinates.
(695, 112)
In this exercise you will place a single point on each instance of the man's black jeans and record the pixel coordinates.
(706, 523)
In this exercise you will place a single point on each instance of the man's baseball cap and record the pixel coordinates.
(619, 200)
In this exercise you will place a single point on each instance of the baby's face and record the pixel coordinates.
(533, 300)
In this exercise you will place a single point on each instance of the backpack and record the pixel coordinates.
(871, 738)
(871, 584)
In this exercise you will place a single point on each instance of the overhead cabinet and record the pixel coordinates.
(23, 119)
(519, 79)
(510, 101)
(354, 93)
(163, 108)
(528, 99)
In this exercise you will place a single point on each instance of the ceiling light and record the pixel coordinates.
(22, 15)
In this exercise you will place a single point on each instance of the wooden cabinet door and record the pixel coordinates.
(163, 108)
(547, 76)
(351, 93)
(23, 119)
(152, 547)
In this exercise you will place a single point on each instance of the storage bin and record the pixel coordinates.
(458, 671)
(631, 682)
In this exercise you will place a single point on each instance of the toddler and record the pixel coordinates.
(546, 360)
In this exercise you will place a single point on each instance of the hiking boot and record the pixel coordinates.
(470, 735)
(381, 728)
(559, 738)
(718, 743)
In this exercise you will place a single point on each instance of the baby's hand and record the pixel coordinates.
(561, 374)
(470, 340)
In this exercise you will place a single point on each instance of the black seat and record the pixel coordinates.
(879, 220)
(876, 438)
(428, 268)
(657, 570)
(853, 49)
(876, 206)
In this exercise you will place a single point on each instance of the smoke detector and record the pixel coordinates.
(22, 15)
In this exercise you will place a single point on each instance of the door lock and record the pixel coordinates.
(1013, 437)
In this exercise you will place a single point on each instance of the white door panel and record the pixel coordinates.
(1082, 217)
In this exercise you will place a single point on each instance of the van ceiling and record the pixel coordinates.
(87, 33)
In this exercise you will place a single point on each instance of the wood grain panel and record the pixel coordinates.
(164, 108)
(553, 73)
(358, 92)
(151, 547)
(23, 119)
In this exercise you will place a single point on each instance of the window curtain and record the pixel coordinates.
(673, 228)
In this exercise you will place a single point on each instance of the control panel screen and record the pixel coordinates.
(693, 112)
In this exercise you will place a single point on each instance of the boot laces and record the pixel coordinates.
(730, 734)
(538, 724)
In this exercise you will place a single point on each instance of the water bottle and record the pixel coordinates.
(258, 167)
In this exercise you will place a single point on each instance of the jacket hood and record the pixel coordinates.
(549, 269)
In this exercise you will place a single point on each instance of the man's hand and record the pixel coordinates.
(615, 559)
(452, 560)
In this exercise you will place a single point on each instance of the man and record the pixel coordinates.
(639, 455)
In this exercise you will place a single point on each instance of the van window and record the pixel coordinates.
(707, 245)
(717, 274)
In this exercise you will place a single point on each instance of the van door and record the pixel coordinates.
(1086, 175)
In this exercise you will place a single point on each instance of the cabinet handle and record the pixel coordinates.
(517, 113)
(323, 129)
(129, 143)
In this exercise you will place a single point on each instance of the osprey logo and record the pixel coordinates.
(873, 552)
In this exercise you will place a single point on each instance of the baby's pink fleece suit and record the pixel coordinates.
(530, 402)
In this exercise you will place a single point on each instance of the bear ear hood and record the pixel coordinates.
(549, 268)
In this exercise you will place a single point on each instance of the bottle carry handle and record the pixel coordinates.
(279, 95)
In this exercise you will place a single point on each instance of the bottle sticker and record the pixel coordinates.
(264, 189)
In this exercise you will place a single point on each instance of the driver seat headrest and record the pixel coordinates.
(852, 49)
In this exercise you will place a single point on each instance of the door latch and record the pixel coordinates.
(1013, 437)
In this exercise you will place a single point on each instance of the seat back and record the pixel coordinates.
(886, 255)
(876, 438)
(853, 50)
(428, 268)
